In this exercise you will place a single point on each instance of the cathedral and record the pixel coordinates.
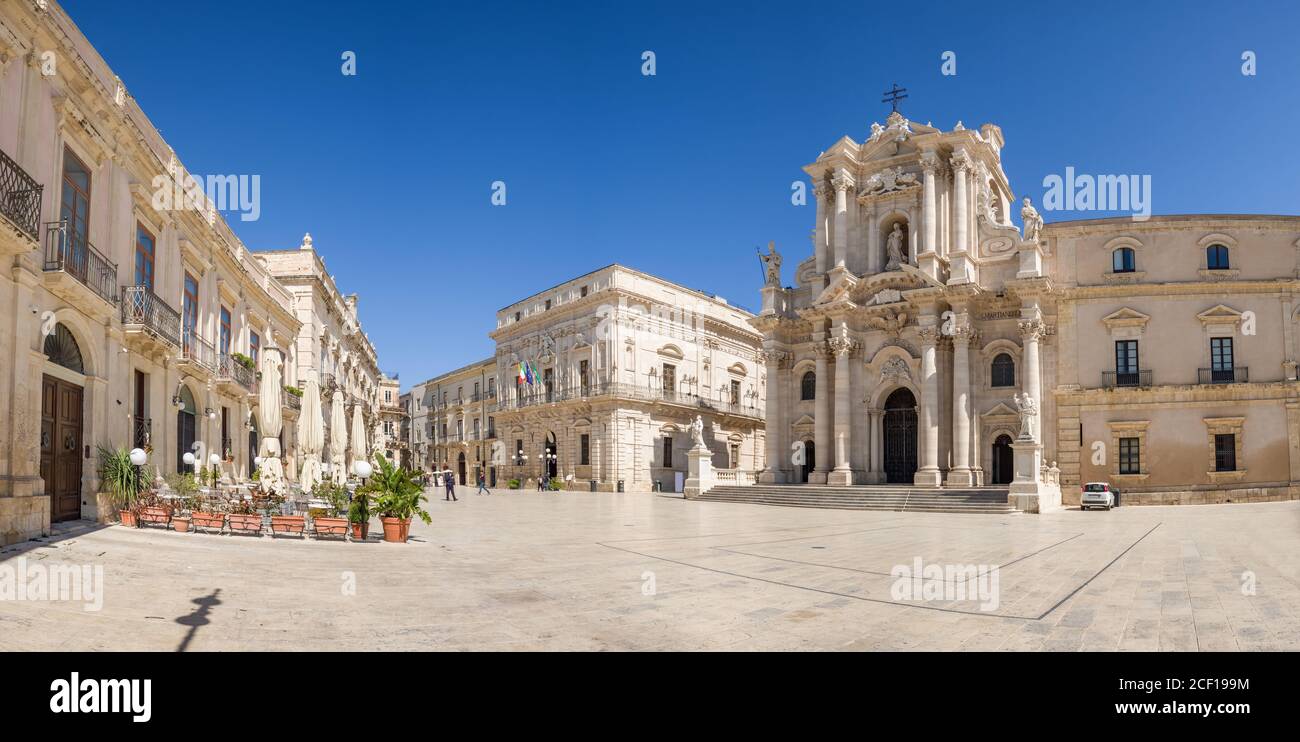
(930, 341)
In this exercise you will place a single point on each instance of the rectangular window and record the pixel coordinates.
(584, 367)
(1129, 460)
(668, 452)
(254, 346)
(492, 427)
(670, 381)
(548, 305)
(75, 209)
(548, 381)
(492, 387)
(224, 338)
(519, 449)
(144, 257)
(1225, 452)
(1221, 360)
(735, 455)
(582, 292)
(584, 450)
(735, 392)
(1126, 362)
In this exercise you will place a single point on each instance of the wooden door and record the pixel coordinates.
(61, 447)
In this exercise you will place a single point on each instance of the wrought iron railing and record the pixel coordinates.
(73, 254)
(229, 368)
(196, 350)
(20, 197)
(1113, 379)
(542, 395)
(141, 431)
(291, 400)
(1235, 375)
(143, 309)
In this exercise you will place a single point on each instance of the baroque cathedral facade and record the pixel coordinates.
(928, 340)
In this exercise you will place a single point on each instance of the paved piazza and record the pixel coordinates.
(531, 571)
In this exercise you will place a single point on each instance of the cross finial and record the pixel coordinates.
(892, 97)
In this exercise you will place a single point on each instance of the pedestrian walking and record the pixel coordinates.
(482, 486)
(451, 487)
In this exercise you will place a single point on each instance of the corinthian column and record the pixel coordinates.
(773, 473)
(822, 423)
(928, 475)
(1031, 331)
(842, 182)
(842, 346)
(819, 234)
(929, 165)
(960, 475)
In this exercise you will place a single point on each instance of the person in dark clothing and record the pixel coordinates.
(482, 486)
(451, 487)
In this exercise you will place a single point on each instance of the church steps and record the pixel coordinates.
(989, 500)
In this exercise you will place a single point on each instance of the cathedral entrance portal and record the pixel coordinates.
(900, 437)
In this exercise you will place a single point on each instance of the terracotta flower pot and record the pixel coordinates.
(396, 530)
(361, 531)
(182, 525)
(128, 518)
(209, 520)
(159, 514)
(330, 526)
(288, 524)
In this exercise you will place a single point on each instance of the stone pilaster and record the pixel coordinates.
(961, 475)
(842, 183)
(960, 266)
(928, 474)
(822, 421)
(927, 258)
(842, 346)
(775, 472)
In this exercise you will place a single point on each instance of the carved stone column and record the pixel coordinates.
(929, 221)
(1031, 331)
(822, 421)
(819, 234)
(928, 475)
(842, 346)
(961, 475)
(842, 182)
(774, 473)
(877, 474)
(960, 265)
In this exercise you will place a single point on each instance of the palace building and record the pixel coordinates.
(927, 340)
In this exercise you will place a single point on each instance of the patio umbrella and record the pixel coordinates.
(358, 442)
(311, 434)
(338, 440)
(272, 477)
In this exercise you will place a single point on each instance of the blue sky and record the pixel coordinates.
(682, 174)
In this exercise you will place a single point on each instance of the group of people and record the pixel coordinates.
(448, 480)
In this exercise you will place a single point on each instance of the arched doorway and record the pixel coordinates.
(460, 467)
(900, 437)
(809, 460)
(1003, 460)
(61, 425)
(552, 459)
(186, 425)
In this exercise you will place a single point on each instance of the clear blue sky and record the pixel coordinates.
(682, 174)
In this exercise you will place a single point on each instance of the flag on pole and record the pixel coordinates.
(522, 376)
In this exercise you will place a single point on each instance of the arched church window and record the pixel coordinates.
(808, 386)
(1216, 258)
(62, 349)
(1004, 370)
(1121, 261)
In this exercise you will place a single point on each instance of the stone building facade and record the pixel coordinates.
(623, 363)
(391, 419)
(130, 319)
(455, 422)
(927, 340)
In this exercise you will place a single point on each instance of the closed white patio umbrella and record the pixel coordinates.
(338, 440)
(271, 479)
(358, 442)
(311, 434)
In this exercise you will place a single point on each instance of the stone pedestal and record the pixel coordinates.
(699, 478)
(1028, 492)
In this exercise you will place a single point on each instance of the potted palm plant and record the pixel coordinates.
(123, 481)
(397, 498)
(359, 515)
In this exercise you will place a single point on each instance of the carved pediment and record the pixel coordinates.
(1126, 318)
(1001, 410)
(1219, 315)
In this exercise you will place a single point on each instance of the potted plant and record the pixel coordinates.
(331, 522)
(123, 481)
(207, 514)
(187, 492)
(273, 505)
(359, 515)
(243, 517)
(397, 498)
(513, 484)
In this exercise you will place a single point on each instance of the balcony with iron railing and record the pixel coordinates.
(196, 352)
(232, 371)
(20, 197)
(292, 401)
(545, 395)
(1234, 375)
(72, 255)
(145, 314)
(1121, 379)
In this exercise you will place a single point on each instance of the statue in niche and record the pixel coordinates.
(772, 261)
(894, 248)
(1033, 221)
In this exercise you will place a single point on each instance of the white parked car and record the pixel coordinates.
(1098, 495)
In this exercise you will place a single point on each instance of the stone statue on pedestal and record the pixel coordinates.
(1028, 409)
(697, 432)
(772, 261)
(1033, 222)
